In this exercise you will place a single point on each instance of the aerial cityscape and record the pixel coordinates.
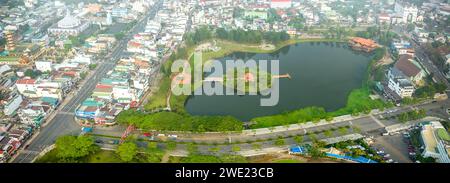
(224, 81)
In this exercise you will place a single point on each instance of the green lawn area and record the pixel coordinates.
(288, 161)
(104, 156)
(101, 156)
(442, 133)
(158, 99)
(50, 157)
(196, 158)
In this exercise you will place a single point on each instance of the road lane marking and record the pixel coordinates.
(377, 121)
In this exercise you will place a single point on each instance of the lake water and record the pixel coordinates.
(323, 75)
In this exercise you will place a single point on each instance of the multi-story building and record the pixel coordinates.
(399, 84)
(407, 12)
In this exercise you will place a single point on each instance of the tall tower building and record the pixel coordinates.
(109, 20)
(10, 41)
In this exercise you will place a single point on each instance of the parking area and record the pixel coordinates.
(395, 147)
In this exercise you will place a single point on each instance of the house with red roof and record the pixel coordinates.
(406, 65)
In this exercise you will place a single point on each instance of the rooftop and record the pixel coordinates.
(405, 65)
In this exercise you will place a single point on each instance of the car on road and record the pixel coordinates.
(172, 136)
(98, 141)
(113, 142)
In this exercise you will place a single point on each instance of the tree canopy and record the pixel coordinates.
(175, 122)
(72, 147)
(127, 151)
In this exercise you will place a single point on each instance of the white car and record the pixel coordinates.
(172, 136)
(387, 155)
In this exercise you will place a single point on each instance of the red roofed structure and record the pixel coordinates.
(362, 44)
(26, 81)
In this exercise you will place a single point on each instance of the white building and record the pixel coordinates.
(407, 12)
(43, 66)
(69, 25)
(399, 84)
(280, 4)
(25, 86)
(34, 89)
(82, 59)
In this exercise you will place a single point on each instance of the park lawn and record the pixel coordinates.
(359, 101)
(104, 156)
(49, 157)
(197, 158)
(287, 161)
(443, 134)
(228, 47)
(101, 156)
(158, 99)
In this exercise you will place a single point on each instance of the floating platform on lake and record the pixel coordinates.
(282, 76)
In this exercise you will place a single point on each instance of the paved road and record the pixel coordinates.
(425, 60)
(63, 123)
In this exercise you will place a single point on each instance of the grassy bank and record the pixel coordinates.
(101, 156)
(158, 99)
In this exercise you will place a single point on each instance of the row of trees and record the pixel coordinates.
(375, 32)
(241, 36)
(82, 149)
(201, 34)
(412, 115)
(251, 36)
(170, 121)
(32, 73)
(429, 90)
